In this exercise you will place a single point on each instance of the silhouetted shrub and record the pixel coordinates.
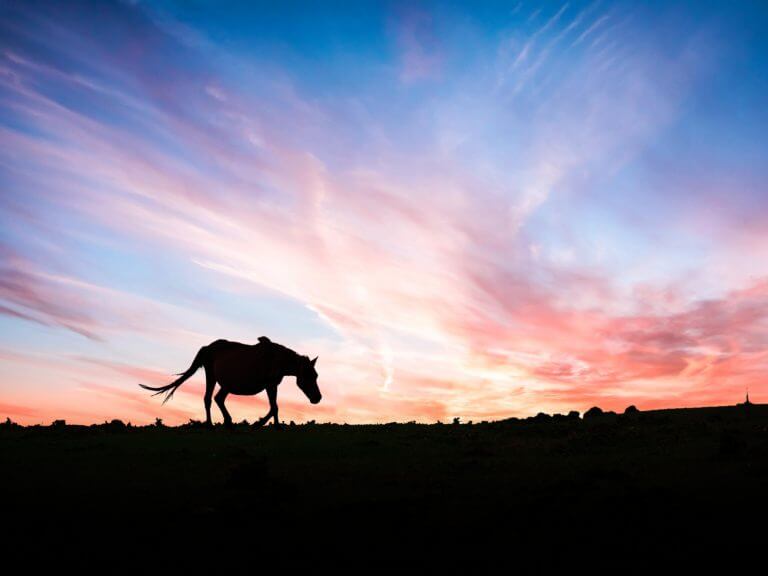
(456, 421)
(573, 414)
(159, 422)
(193, 424)
(113, 425)
(542, 417)
(59, 423)
(10, 423)
(631, 410)
(594, 412)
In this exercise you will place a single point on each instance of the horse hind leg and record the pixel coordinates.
(221, 395)
(210, 383)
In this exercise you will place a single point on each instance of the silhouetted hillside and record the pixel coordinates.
(556, 486)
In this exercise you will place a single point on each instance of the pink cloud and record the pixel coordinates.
(41, 297)
(14, 410)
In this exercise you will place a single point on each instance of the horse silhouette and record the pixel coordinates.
(245, 369)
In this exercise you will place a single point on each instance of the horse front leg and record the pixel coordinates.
(272, 395)
(264, 419)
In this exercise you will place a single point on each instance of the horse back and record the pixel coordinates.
(243, 368)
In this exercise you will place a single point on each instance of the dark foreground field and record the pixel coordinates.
(566, 492)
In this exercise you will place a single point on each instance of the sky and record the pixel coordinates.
(464, 209)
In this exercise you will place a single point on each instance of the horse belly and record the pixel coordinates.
(239, 378)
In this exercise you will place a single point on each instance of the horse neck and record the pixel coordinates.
(291, 362)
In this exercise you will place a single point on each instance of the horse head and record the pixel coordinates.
(306, 379)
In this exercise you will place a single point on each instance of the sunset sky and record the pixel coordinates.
(470, 209)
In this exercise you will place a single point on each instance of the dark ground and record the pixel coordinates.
(691, 483)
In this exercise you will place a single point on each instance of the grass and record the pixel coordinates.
(629, 483)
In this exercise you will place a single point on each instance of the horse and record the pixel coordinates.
(245, 369)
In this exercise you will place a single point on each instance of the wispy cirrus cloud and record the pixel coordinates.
(39, 297)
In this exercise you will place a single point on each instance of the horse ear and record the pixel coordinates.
(312, 363)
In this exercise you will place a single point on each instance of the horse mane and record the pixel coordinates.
(265, 340)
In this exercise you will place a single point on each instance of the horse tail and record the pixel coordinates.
(171, 388)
